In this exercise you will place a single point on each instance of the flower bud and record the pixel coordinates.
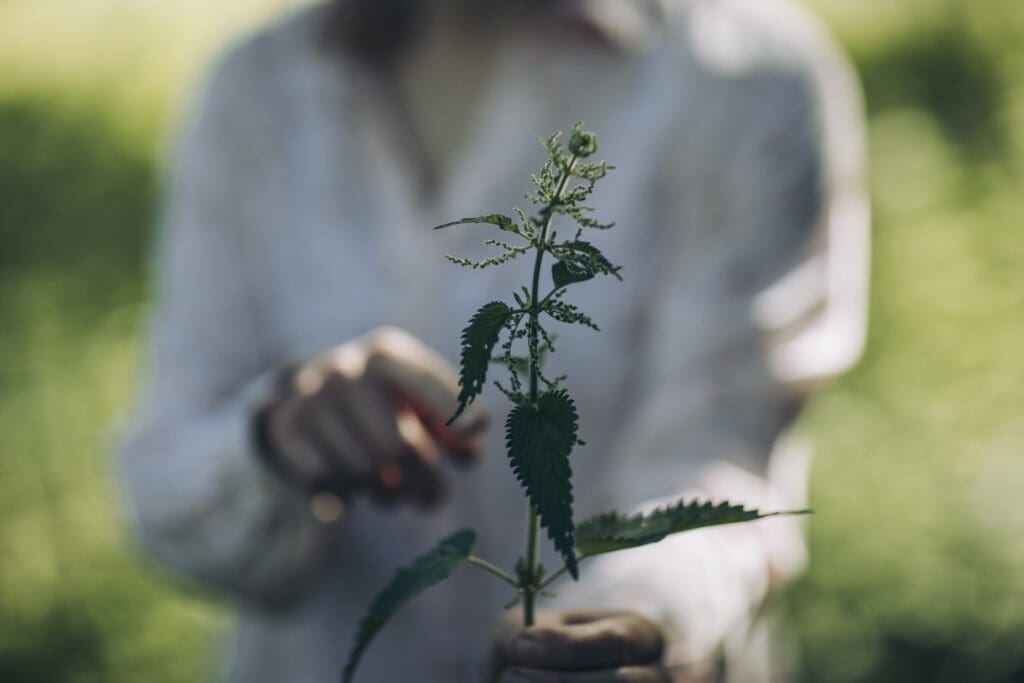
(582, 143)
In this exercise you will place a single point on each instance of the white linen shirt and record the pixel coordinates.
(296, 221)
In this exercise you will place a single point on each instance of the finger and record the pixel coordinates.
(419, 461)
(574, 617)
(510, 625)
(400, 455)
(614, 640)
(365, 414)
(625, 674)
(341, 450)
(297, 456)
(423, 376)
(463, 447)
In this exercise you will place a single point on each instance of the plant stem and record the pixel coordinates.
(531, 562)
(488, 567)
(557, 575)
(550, 294)
(530, 590)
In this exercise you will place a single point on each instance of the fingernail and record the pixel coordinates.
(528, 649)
(391, 476)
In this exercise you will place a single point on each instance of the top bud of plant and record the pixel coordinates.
(582, 143)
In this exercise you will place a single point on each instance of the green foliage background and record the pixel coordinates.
(918, 540)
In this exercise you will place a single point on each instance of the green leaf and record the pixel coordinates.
(585, 255)
(613, 531)
(499, 219)
(478, 340)
(539, 440)
(409, 582)
(569, 314)
(566, 273)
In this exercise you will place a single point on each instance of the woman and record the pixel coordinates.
(303, 292)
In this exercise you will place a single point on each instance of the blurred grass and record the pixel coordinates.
(918, 542)
(88, 88)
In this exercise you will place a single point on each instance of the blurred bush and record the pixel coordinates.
(74, 606)
(87, 88)
(918, 540)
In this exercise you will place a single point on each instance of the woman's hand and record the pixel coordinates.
(369, 415)
(580, 646)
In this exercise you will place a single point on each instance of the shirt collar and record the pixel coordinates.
(631, 26)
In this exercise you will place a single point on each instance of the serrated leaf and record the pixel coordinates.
(478, 340)
(585, 255)
(539, 440)
(566, 273)
(613, 531)
(409, 582)
(499, 219)
(569, 314)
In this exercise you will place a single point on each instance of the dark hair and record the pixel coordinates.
(372, 30)
(379, 30)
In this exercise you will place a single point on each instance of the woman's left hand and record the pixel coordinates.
(580, 646)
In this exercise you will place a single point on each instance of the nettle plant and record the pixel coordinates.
(541, 429)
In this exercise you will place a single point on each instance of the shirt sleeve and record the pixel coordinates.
(199, 497)
(762, 297)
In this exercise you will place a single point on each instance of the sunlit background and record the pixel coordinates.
(917, 571)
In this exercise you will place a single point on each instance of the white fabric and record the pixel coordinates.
(296, 221)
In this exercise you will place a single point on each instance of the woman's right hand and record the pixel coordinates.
(370, 415)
